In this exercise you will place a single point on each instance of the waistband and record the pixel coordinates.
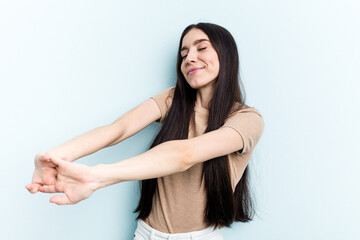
(204, 234)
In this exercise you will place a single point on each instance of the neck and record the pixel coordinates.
(204, 96)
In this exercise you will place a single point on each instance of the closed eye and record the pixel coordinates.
(200, 49)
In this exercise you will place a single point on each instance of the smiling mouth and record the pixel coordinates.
(194, 70)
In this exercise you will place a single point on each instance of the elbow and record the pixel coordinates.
(117, 134)
(186, 156)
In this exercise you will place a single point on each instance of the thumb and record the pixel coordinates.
(60, 200)
(57, 161)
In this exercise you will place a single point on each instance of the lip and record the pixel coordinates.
(194, 70)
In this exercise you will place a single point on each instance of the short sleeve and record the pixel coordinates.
(249, 124)
(164, 101)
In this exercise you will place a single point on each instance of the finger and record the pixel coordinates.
(33, 187)
(43, 157)
(57, 161)
(48, 189)
(49, 176)
(60, 200)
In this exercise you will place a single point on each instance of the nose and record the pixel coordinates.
(191, 57)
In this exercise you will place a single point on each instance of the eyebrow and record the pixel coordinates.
(195, 42)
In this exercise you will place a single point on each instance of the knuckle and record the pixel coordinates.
(58, 188)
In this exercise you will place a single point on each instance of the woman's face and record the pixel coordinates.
(200, 62)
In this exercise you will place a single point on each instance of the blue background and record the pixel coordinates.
(69, 66)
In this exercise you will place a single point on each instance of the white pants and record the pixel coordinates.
(145, 232)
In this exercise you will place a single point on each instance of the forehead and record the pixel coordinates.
(193, 35)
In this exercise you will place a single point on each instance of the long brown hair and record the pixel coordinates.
(223, 206)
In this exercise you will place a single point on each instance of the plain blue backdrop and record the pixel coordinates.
(69, 66)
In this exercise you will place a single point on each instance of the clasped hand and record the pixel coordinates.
(56, 175)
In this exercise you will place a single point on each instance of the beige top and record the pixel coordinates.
(180, 199)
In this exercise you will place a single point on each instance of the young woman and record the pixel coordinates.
(194, 177)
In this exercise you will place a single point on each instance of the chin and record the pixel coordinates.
(197, 84)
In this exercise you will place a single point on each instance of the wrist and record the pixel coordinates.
(104, 175)
(57, 155)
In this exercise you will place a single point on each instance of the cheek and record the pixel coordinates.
(217, 67)
(216, 64)
(182, 68)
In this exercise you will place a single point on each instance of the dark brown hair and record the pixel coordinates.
(223, 206)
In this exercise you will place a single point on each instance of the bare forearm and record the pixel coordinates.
(162, 160)
(86, 143)
(78, 181)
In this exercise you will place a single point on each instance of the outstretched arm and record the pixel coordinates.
(79, 181)
(124, 127)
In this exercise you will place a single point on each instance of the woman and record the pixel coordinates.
(194, 177)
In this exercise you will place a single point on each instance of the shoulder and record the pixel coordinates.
(248, 122)
(239, 111)
(164, 101)
(169, 92)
